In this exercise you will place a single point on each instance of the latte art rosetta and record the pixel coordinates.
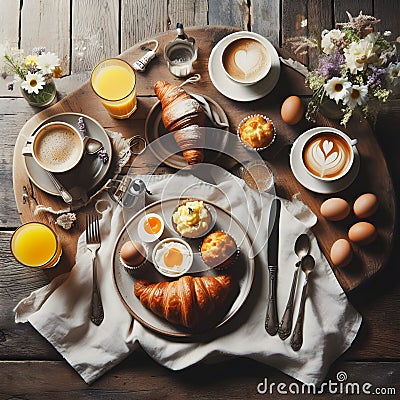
(327, 155)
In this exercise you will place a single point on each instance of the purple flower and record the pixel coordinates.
(330, 65)
(377, 78)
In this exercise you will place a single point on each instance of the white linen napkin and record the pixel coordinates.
(60, 310)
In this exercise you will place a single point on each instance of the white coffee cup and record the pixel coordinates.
(328, 154)
(56, 147)
(245, 60)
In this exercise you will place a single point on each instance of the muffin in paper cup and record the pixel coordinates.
(247, 132)
(216, 262)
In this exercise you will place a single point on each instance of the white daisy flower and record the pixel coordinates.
(33, 82)
(356, 95)
(337, 88)
(47, 62)
(393, 71)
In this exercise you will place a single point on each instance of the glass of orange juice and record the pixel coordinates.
(114, 82)
(36, 245)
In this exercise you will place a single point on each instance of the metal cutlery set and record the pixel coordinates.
(306, 263)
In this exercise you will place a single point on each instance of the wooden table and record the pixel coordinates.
(27, 360)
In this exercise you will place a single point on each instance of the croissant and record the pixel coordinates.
(192, 302)
(183, 115)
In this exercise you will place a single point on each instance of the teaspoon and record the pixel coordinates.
(66, 196)
(296, 341)
(93, 146)
(301, 248)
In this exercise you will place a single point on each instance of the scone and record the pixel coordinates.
(256, 132)
(218, 250)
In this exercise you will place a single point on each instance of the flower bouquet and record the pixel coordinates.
(35, 72)
(358, 68)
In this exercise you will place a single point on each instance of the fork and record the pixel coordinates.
(93, 243)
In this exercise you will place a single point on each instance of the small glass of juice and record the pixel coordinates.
(114, 82)
(36, 245)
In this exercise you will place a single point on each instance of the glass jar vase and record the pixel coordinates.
(46, 96)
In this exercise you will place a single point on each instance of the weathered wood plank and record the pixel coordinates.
(19, 341)
(353, 7)
(9, 33)
(14, 112)
(47, 23)
(388, 12)
(319, 18)
(229, 13)
(188, 12)
(9, 22)
(294, 27)
(143, 379)
(94, 32)
(265, 19)
(140, 20)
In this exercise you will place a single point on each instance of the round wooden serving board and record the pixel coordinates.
(373, 177)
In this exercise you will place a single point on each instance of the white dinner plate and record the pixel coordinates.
(314, 184)
(237, 91)
(242, 269)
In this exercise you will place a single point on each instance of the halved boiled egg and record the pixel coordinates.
(172, 257)
(150, 227)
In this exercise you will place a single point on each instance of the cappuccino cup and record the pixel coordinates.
(56, 147)
(246, 60)
(328, 154)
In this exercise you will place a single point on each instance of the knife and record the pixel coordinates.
(271, 320)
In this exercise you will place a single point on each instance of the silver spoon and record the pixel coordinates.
(66, 196)
(296, 341)
(93, 146)
(301, 248)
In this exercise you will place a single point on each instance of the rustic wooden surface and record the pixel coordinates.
(30, 367)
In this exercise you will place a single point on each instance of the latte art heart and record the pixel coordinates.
(248, 61)
(327, 155)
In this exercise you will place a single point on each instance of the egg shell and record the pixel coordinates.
(365, 206)
(341, 253)
(362, 233)
(132, 253)
(292, 110)
(335, 209)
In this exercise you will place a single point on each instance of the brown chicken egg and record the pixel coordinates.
(292, 110)
(341, 253)
(365, 206)
(132, 253)
(335, 209)
(362, 233)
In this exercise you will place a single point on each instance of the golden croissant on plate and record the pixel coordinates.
(193, 302)
(184, 116)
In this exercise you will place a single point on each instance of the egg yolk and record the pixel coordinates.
(152, 225)
(173, 258)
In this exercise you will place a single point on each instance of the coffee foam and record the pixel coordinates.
(327, 155)
(245, 59)
(58, 148)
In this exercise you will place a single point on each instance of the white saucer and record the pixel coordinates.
(314, 184)
(234, 90)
